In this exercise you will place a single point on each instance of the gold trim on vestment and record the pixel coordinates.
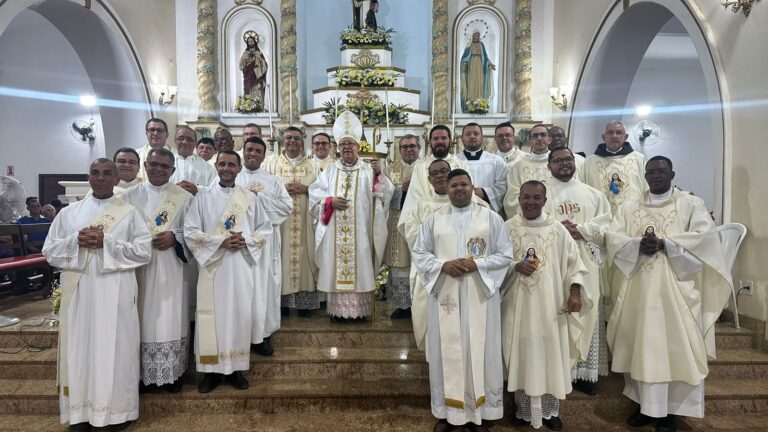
(345, 230)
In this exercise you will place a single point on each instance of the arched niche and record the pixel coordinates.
(493, 28)
(615, 72)
(234, 25)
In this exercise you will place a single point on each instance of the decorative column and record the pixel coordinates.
(206, 60)
(288, 77)
(522, 109)
(440, 63)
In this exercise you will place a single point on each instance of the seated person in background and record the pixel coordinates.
(48, 212)
(34, 240)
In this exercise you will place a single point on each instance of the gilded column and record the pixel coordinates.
(206, 60)
(288, 83)
(440, 63)
(522, 109)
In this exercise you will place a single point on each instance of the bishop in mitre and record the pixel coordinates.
(278, 205)
(584, 212)
(350, 201)
(461, 255)
(532, 167)
(543, 292)
(669, 284)
(163, 298)
(98, 243)
(226, 230)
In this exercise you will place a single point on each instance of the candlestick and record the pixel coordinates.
(290, 100)
(386, 113)
(433, 106)
(269, 107)
(336, 115)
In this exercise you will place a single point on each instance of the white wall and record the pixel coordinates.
(36, 133)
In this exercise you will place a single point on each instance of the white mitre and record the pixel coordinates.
(347, 125)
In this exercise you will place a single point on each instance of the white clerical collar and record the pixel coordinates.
(461, 209)
(611, 151)
(253, 172)
(553, 179)
(538, 157)
(295, 160)
(660, 198)
(473, 153)
(541, 217)
(157, 188)
(507, 153)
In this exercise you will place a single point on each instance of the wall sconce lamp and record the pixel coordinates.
(166, 102)
(736, 5)
(559, 96)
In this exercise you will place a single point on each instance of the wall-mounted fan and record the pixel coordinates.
(12, 198)
(644, 134)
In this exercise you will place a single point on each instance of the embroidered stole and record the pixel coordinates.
(449, 308)
(206, 319)
(110, 217)
(345, 230)
(167, 209)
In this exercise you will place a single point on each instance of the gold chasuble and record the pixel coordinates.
(397, 253)
(665, 305)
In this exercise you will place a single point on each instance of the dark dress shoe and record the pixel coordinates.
(516, 421)
(401, 314)
(667, 424)
(210, 381)
(586, 387)
(305, 313)
(237, 380)
(264, 348)
(80, 427)
(638, 419)
(442, 425)
(338, 320)
(119, 427)
(553, 423)
(284, 311)
(471, 427)
(174, 387)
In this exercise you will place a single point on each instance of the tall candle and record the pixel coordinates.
(290, 99)
(433, 105)
(337, 101)
(386, 113)
(269, 108)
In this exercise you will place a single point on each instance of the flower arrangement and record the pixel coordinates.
(381, 283)
(248, 105)
(365, 147)
(479, 106)
(55, 300)
(366, 77)
(379, 37)
(372, 112)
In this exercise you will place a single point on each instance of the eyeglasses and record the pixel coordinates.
(292, 138)
(562, 160)
(444, 171)
(160, 165)
(409, 146)
(126, 162)
(155, 131)
(185, 139)
(348, 145)
(320, 143)
(539, 135)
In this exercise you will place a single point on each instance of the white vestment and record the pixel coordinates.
(489, 173)
(233, 280)
(532, 167)
(448, 234)
(661, 329)
(420, 188)
(349, 246)
(511, 157)
(143, 152)
(102, 350)
(589, 210)
(620, 178)
(193, 169)
(539, 339)
(277, 204)
(163, 296)
(322, 164)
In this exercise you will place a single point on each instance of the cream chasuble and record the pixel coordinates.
(297, 233)
(350, 248)
(537, 336)
(464, 339)
(322, 164)
(580, 164)
(675, 296)
(511, 157)
(589, 210)
(420, 189)
(490, 173)
(278, 205)
(98, 365)
(225, 287)
(397, 252)
(620, 178)
(532, 167)
(163, 297)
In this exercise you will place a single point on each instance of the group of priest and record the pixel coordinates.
(167, 237)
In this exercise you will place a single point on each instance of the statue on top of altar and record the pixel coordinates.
(254, 67)
(370, 17)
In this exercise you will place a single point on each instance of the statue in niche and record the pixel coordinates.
(370, 17)
(254, 67)
(476, 73)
